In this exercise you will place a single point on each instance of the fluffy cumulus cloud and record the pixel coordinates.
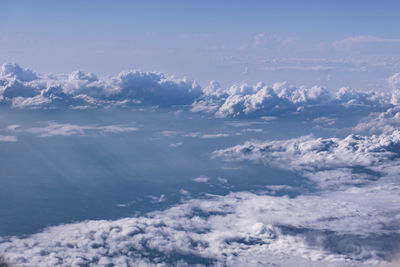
(382, 122)
(22, 88)
(329, 162)
(245, 100)
(239, 229)
(394, 81)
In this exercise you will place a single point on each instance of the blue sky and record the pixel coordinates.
(329, 43)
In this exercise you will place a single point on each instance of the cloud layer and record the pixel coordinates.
(329, 162)
(258, 100)
(351, 219)
(23, 88)
(333, 229)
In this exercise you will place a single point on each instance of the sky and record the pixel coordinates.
(331, 43)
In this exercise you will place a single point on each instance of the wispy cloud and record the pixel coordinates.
(8, 138)
(363, 39)
(201, 179)
(53, 128)
(175, 144)
(211, 136)
(262, 39)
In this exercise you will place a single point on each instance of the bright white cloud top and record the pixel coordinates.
(24, 89)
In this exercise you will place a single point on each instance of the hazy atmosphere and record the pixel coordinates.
(199, 133)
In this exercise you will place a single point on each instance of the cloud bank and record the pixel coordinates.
(329, 162)
(23, 88)
(260, 100)
(333, 229)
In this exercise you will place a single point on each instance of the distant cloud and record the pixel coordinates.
(378, 123)
(330, 162)
(13, 70)
(212, 136)
(8, 138)
(325, 121)
(175, 144)
(362, 39)
(201, 179)
(394, 81)
(65, 129)
(25, 89)
(262, 39)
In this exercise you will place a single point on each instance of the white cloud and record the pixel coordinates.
(326, 121)
(175, 144)
(22, 88)
(26, 89)
(332, 229)
(13, 70)
(168, 133)
(394, 82)
(268, 118)
(261, 100)
(351, 220)
(212, 136)
(222, 180)
(362, 39)
(65, 129)
(156, 199)
(377, 123)
(201, 179)
(8, 138)
(253, 130)
(329, 162)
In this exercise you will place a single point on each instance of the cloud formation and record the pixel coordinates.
(22, 88)
(350, 218)
(394, 82)
(328, 162)
(8, 138)
(53, 128)
(363, 39)
(240, 229)
(259, 100)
